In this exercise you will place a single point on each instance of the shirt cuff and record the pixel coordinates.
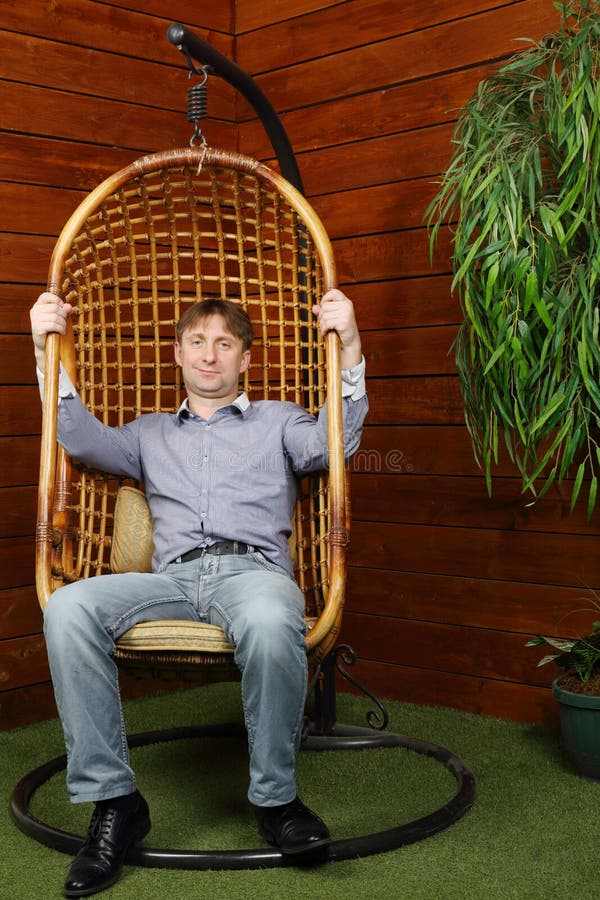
(65, 385)
(353, 381)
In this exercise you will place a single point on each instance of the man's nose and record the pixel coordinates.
(209, 352)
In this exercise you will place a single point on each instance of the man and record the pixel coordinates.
(221, 556)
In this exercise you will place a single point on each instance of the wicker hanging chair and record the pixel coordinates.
(168, 230)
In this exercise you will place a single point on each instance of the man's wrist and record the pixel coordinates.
(351, 355)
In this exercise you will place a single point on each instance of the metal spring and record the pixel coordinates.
(197, 102)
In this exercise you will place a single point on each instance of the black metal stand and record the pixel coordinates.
(323, 734)
(343, 738)
(325, 712)
(191, 45)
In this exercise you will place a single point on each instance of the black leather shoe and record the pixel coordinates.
(115, 826)
(293, 828)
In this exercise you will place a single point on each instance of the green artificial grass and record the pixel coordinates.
(532, 832)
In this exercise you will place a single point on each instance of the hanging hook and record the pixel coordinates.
(197, 96)
(197, 101)
(194, 70)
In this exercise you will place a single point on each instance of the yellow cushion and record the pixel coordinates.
(132, 545)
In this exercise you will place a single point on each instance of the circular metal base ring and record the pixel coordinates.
(342, 738)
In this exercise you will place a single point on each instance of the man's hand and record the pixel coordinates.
(336, 313)
(48, 315)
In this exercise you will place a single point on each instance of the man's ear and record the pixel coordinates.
(245, 361)
(177, 352)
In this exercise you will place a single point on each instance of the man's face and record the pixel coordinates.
(211, 360)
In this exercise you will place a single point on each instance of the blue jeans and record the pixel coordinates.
(261, 610)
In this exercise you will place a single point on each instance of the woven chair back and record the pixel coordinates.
(165, 232)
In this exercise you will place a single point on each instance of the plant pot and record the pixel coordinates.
(580, 727)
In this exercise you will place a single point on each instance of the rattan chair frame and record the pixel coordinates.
(87, 270)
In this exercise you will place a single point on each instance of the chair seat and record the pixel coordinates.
(179, 636)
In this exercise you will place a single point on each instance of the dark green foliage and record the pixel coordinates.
(581, 655)
(524, 188)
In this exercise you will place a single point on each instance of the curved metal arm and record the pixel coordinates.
(200, 50)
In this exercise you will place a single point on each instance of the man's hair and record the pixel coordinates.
(235, 317)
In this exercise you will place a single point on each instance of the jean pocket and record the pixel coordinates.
(265, 563)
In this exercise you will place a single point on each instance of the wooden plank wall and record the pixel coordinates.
(445, 584)
(86, 87)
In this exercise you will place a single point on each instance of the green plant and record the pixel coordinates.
(523, 189)
(580, 655)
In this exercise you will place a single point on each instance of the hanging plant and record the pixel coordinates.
(523, 188)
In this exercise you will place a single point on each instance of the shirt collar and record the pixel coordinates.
(241, 403)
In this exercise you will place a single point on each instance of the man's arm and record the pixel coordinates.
(305, 438)
(336, 313)
(82, 435)
(48, 315)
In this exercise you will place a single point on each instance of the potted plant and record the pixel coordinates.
(522, 197)
(577, 690)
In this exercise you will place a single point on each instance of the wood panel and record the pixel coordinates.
(462, 651)
(434, 400)
(23, 661)
(106, 121)
(27, 705)
(19, 457)
(481, 696)
(15, 301)
(410, 351)
(93, 73)
(24, 257)
(50, 161)
(419, 449)
(390, 255)
(514, 606)
(17, 563)
(360, 22)
(401, 108)
(18, 508)
(404, 302)
(103, 26)
(259, 15)
(218, 16)
(405, 57)
(464, 502)
(377, 160)
(16, 359)
(535, 557)
(20, 612)
(371, 210)
(30, 206)
(20, 409)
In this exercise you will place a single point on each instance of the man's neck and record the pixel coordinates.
(205, 407)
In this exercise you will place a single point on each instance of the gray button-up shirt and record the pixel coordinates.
(231, 477)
